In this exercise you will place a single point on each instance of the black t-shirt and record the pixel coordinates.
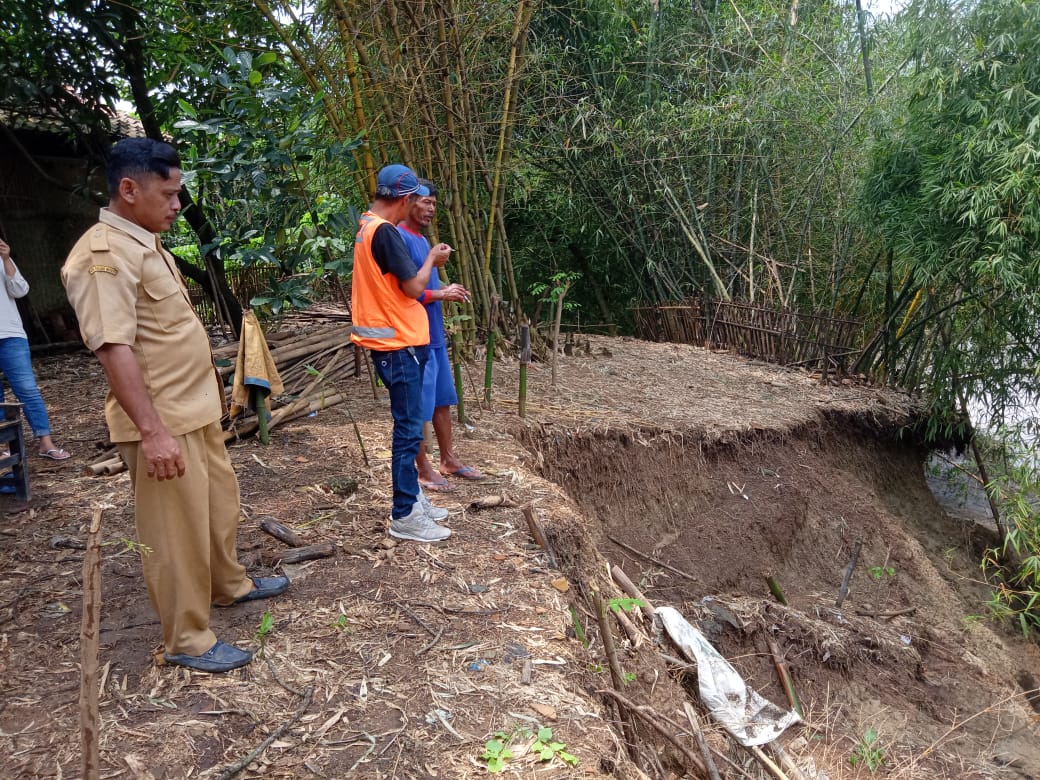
(391, 254)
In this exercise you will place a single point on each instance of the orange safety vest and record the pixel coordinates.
(385, 318)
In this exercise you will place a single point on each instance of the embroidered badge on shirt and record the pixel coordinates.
(105, 269)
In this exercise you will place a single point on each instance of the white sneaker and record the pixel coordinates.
(435, 513)
(418, 527)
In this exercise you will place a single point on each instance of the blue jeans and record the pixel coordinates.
(402, 372)
(16, 365)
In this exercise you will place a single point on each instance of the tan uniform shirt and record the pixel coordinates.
(125, 289)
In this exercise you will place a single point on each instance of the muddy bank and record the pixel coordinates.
(703, 515)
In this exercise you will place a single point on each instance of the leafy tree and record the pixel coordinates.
(256, 155)
(73, 61)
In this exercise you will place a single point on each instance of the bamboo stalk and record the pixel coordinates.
(504, 124)
(489, 365)
(260, 405)
(698, 734)
(457, 371)
(785, 676)
(774, 588)
(634, 635)
(617, 676)
(556, 330)
(111, 465)
(525, 358)
(630, 588)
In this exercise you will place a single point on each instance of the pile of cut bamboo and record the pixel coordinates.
(313, 367)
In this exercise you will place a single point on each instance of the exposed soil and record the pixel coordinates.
(401, 660)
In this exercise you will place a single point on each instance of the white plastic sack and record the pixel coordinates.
(751, 719)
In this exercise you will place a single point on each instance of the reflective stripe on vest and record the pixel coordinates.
(374, 333)
(385, 318)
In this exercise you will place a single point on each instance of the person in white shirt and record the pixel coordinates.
(15, 360)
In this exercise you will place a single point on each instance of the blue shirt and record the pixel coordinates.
(418, 248)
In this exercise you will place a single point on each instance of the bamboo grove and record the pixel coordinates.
(431, 84)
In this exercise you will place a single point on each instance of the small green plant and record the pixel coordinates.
(877, 572)
(630, 677)
(626, 604)
(131, 545)
(547, 750)
(341, 623)
(496, 752)
(266, 624)
(868, 752)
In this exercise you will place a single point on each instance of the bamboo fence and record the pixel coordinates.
(777, 335)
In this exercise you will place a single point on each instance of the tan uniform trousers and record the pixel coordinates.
(189, 526)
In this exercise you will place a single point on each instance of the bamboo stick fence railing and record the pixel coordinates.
(767, 333)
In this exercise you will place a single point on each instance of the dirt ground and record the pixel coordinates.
(699, 474)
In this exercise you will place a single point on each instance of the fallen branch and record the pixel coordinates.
(281, 532)
(846, 578)
(244, 762)
(885, 615)
(308, 553)
(431, 643)
(652, 559)
(768, 763)
(650, 717)
(786, 762)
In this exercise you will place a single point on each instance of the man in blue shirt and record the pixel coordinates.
(438, 388)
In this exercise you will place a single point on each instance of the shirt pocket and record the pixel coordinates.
(165, 302)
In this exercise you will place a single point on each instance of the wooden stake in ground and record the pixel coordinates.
(538, 534)
(456, 364)
(525, 358)
(89, 720)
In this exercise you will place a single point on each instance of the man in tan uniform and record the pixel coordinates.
(164, 405)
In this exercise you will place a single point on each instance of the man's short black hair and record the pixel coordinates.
(136, 157)
(430, 186)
